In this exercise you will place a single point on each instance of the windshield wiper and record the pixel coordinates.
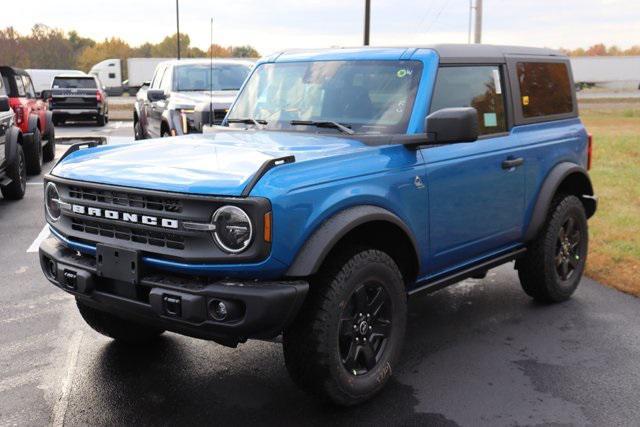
(323, 124)
(248, 121)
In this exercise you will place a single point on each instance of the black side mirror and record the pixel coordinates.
(45, 94)
(146, 84)
(154, 95)
(4, 103)
(451, 125)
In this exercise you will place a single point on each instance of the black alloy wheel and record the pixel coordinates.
(568, 249)
(364, 328)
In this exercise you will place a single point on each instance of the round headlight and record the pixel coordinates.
(52, 201)
(233, 231)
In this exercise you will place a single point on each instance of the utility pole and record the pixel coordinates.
(367, 19)
(178, 26)
(478, 38)
(470, 12)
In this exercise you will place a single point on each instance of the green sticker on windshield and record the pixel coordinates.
(403, 72)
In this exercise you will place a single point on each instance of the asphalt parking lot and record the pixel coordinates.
(477, 353)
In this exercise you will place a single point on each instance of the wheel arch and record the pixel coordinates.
(566, 177)
(366, 224)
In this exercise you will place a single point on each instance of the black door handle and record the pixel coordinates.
(512, 163)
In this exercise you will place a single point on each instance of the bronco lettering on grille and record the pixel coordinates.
(125, 216)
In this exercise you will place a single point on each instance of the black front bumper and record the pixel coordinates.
(177, 303)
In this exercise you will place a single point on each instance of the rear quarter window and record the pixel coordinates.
(545, 89)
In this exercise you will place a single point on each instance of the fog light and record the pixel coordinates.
(52, 268)
(218, 310)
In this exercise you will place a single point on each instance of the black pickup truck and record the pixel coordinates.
(75, 98)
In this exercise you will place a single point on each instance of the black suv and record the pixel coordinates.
(75, 98)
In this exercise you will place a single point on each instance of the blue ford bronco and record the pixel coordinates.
(340, 182)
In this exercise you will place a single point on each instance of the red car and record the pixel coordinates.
(31, 116)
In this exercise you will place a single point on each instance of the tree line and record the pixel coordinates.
(602, 50)
(47, 47)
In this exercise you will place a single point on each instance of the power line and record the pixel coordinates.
(445, 4)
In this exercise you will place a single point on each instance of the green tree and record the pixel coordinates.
(48, 48)
(244, 52)
(110, 48)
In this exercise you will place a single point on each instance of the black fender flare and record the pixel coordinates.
(550, 186)
(12, 139)
(315, 250)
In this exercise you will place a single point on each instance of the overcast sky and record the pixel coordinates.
(278, 24)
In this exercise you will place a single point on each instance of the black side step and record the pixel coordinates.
(266, 167)
(458, 276)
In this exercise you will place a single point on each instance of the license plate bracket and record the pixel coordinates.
(118, 263)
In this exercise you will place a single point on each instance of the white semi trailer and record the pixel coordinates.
(621, 72)
(139, 70)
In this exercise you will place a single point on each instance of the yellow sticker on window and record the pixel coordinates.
(525, 100)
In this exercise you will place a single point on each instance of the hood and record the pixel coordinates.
(218, 163)
(224, 98)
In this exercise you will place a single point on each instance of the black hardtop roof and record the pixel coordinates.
(460, 52)
(452, 53)
(5, 69)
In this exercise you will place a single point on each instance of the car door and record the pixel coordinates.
(158, 107)
(476, 190)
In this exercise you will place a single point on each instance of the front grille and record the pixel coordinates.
(153, 238)
(118, 198)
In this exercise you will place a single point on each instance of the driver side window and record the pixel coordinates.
(479, 87)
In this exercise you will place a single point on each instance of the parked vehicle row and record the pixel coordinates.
(32, 116)
(339, 183)
(185, 95)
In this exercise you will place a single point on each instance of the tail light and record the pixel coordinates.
(19, 114)
(589, 151)
(98, 96)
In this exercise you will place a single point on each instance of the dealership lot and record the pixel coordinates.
(478, 353)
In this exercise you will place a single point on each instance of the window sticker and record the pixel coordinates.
(404, 72)
(496, 82)
(525, 100)
(490, 120)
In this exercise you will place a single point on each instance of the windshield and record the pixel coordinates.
(366, 96)
(197, 77)
(73, 83)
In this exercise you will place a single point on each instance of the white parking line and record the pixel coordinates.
(62, 403)
(36, 183)
(44, 233)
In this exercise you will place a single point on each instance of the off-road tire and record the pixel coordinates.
(311, 344)
(33, 154)
(18, 174)
(117, 328)
(538, 269)
(49, 150)
(100, 120)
